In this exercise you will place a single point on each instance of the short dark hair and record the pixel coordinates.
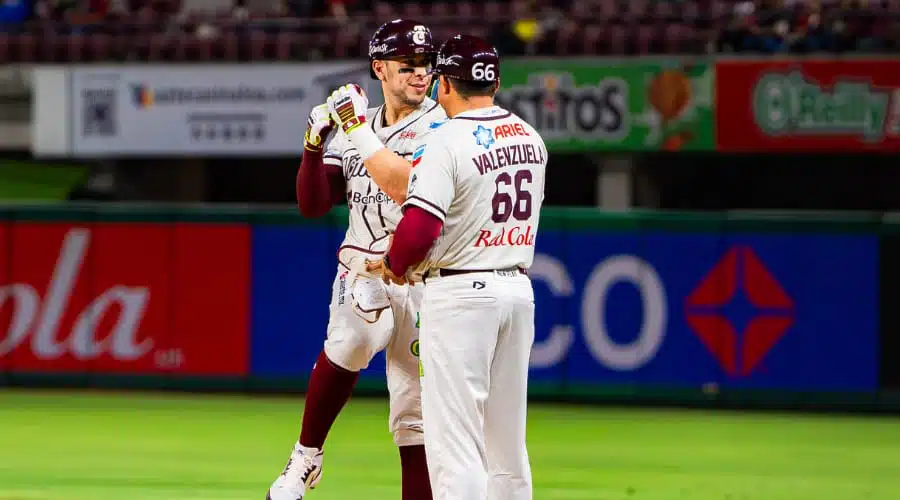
(467, 88)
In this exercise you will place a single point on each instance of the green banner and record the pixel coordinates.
(598, 105)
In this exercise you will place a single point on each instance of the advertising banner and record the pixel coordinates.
(808, 105)
(217, 110)
(124, 299)
(751, 311)
(889, 267)
(602, 105)
(293, 270)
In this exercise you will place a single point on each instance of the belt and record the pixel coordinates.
(436, 273)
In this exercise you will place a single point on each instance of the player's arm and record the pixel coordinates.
(414, 237)
(320, 179)
(429, 195)
(389, 171)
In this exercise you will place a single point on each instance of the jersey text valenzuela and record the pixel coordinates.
(508, 156)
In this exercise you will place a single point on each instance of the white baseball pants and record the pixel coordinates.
(476, 334)
(352, 343)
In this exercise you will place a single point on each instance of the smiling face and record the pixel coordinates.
(404, 81)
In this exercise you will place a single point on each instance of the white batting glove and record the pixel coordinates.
(348, 106)
(319, 127)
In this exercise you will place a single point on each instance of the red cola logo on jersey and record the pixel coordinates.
(516, 236)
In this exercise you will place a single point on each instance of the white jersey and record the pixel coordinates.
(482, 174)
(372, 213)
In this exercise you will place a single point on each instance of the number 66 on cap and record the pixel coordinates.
(469, 58)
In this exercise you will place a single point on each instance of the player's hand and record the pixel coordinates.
(319, 127)
(378, 267)
(347, 106)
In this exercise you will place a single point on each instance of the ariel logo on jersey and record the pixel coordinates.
(484, 136)
(510, 130)
(417, 155)
(513, 237)
(408, 134)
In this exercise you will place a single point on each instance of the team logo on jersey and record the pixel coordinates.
(414, 348)
(417, 155)
(484, 136)
(437, 123)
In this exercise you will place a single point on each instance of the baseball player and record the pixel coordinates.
(366, 316)
(469, 228)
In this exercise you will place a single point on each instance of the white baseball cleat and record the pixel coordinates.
(303, 471)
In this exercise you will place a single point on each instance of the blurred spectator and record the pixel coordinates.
(13, 12)
(798, 26)
(741, 33)
(774, 19)
(516, 27)
(519, 36)
(338, 9)
(812, 35)
(295, 8)
(239, 10)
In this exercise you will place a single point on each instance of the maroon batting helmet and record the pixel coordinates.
(398, 39)
(466, 57)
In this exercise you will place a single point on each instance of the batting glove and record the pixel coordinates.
(319, 127)
(348, 106)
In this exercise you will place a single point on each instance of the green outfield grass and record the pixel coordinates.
(82, 446)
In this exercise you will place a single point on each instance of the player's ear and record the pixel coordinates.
(379, 69)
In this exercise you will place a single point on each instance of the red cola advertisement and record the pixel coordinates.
(811, 106)
(124, 299)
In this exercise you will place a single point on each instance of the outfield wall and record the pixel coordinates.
(645, 306)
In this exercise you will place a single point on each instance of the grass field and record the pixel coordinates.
(83, 446)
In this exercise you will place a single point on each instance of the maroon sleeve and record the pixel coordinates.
(414, 237)
(337, 183)
(319, 186)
